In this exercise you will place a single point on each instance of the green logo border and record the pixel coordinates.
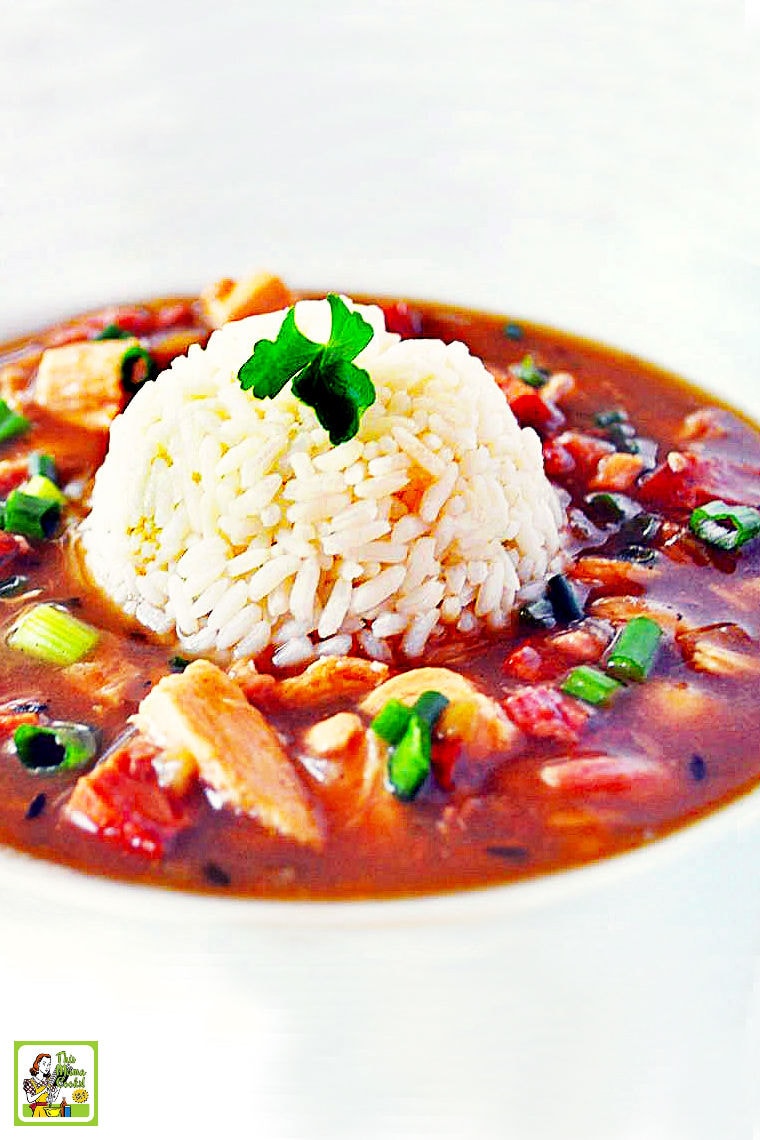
(71, 1122)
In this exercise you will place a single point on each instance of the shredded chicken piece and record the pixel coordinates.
(203, 714)
(613, 574)
(617, 472)
(668, 701)
(623, 607)
(229, 300)
(98, 680)
(470, 717)
(323, 681)
(334, 735)
(724, 650)
(82, 383)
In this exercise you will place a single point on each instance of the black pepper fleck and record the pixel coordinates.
(37, 806)
(697, 767)
(216, 875)
(508, 851)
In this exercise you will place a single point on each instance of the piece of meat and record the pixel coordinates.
(203, 714)
(334, 735)
(229, 300)
(548, 714)
(325, 680)
(81, 383)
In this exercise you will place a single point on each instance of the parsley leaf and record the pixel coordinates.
(322, 375)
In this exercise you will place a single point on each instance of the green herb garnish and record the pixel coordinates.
(322, 376)
(590, 685)
(529, 372)
(634, 650)
(50, 633)
(726, 526)
(11, 423)
(112, 332)
(408, 732)
(61, 745)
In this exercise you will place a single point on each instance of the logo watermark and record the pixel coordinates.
(55, 1082)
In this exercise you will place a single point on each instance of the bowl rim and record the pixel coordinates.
(23, 873)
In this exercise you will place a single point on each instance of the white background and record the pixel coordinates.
(585, 163)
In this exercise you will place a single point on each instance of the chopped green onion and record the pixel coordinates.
(40, 464)
(131, 361)
(538, 614)
(634, 650)
(607, 506)
(409, 762)
(725, 526)
(112, 332)
(178, 664)
(590, 685)
(50, 633)
(391, 722)
(11, 423)
(513, 331)
(61, 745)
(634, 552)
(610, 416)
(31, 516)
(40, 487)
(529, 372)
(12, 586)
(640, 530)
(564, 600)
(429, 705)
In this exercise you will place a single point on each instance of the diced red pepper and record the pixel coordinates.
(531, 410)
(122, 802)
(547, 713)
(403, 319)
(584, 451)
(558, 460)
(15, 713)
(179, 314)
(11, 546)
(13, 472)
(586, 775)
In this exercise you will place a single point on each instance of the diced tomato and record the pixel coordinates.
(401, 318)
(584, 453)
(524, 663)
(531, 410)
(11, 546)
(444, 760)
(586, 775)
(558, 460)
(179, 314)
(122, 802)
(547, 713)
(687, 479)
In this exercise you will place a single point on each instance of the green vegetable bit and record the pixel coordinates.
(322, 376)
(62, 746)
(41, 487)
(590, 685)
(529, 372)
(725, 526)
(40, 464)
(12, 586)
(30, 515)
(11, 423)
(634, 650)
(51, 634)
(112, 332)
(409, 762)
(408, 732)
(137, 360)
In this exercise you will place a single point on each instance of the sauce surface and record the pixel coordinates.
(587, 782)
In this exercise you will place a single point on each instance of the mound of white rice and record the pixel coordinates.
(234, 521)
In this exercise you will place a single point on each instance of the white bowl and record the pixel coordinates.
(571, 163)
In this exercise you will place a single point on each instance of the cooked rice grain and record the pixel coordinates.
(233, 521)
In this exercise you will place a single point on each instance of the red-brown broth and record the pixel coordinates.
(500, 823)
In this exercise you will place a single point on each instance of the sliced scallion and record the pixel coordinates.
(11, 423)
(40, 464)
(634, 650)
(529, 372)
(610, 416)
(409, 762)
(50, 633)
(30, 515)
(391, 722)
(513, 331)
(725, 526)
(41, 487)
(538, 614)
(137, 367)
(61, 745)
(590, 685)
(112, 332)
(564, 600)
(429, 705)
(12, 586)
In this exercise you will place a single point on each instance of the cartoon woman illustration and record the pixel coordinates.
(43, 1088)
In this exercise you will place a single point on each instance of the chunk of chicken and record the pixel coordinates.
(203, 714)
(334, 735)
(623, 607)
(323, 681)
(229, 300)
(470, 717)
(82, 383)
